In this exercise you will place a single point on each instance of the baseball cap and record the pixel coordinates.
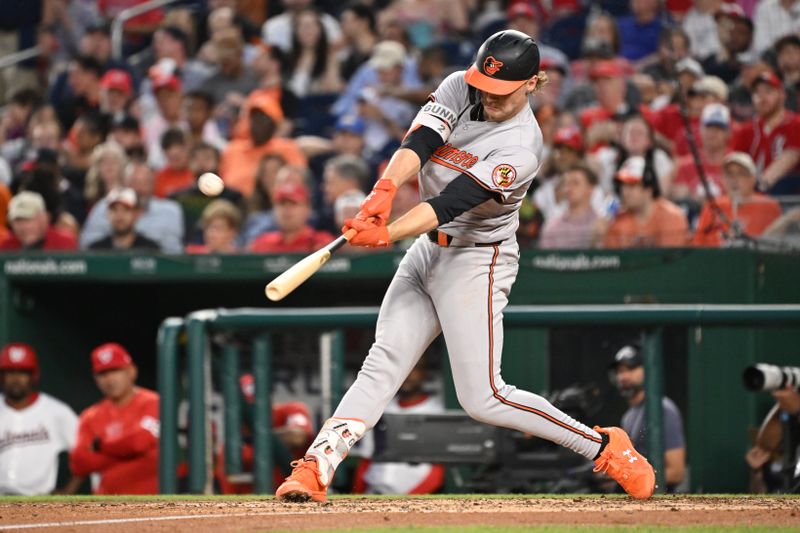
(768, 77)
(110, 356)
(690, 65)
(627, 355)
(162, 75)
(632, 170)
(293, 192)
(166, 81)
(387, 54)
(26, 204)
(569, 136)
(117, 79)
(267, 105)
(606, 68)
(734, 11)
(291, 416)
(520, 9)
(742, 159)
(122, 195)
(351, 123)
(710, 85)
(19, 356)
(716, 115)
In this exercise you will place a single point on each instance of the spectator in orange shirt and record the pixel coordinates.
(241, 157)
(176, 175)
(646, 219)
(118, 436)
(292, 212)
(749, 211)
(30, 226)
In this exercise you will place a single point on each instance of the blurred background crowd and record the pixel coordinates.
(666, 123)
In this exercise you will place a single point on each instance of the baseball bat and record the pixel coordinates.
(284, 284)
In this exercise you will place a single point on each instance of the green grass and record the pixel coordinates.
(251, 497)
(566, 529)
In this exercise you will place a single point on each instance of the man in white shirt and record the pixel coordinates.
(774, 19)
(161, 219)
(34, 427)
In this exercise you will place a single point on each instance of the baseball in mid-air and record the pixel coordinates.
(210, 184)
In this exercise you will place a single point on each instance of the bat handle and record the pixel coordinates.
(342, 240)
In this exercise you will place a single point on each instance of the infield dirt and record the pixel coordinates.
(223, 515)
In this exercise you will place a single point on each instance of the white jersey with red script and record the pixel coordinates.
(503, 157)
(30, 441)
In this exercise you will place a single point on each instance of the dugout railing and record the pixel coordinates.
(200, 326)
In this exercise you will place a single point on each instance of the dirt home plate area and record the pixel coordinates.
(386, 514)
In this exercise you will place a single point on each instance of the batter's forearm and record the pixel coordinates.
(403, 167)
(421, 219)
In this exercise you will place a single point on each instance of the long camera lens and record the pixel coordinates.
(764, 377)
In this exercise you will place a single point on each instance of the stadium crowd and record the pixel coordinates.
(666, 123)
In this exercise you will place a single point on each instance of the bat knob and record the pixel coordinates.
(273, 293)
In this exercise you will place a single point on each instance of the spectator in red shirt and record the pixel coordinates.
(30, 226)
(176, 175)
(118, 436)
(609, 88)
(715, 134)
(292, 212)
(772, 138)
(669, 123)
(750, 211)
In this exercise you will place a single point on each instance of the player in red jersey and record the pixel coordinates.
(118, 436)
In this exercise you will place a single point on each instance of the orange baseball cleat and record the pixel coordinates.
(304, 483)
(628, 467)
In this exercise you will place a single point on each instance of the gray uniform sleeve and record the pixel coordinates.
(506, 170)
(444, 106)
(673, 427)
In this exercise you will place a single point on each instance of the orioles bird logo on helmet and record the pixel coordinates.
(491, 65)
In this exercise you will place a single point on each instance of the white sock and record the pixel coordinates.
(333, 443)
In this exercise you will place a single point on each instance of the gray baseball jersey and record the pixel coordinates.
(459, 290)
(501, 156)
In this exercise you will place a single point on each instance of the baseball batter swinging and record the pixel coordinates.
(476, 147)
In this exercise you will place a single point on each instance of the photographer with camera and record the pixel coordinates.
(779, 432)
(627, 375)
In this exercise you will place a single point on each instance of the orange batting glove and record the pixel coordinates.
(379, 202)
(369, 234)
